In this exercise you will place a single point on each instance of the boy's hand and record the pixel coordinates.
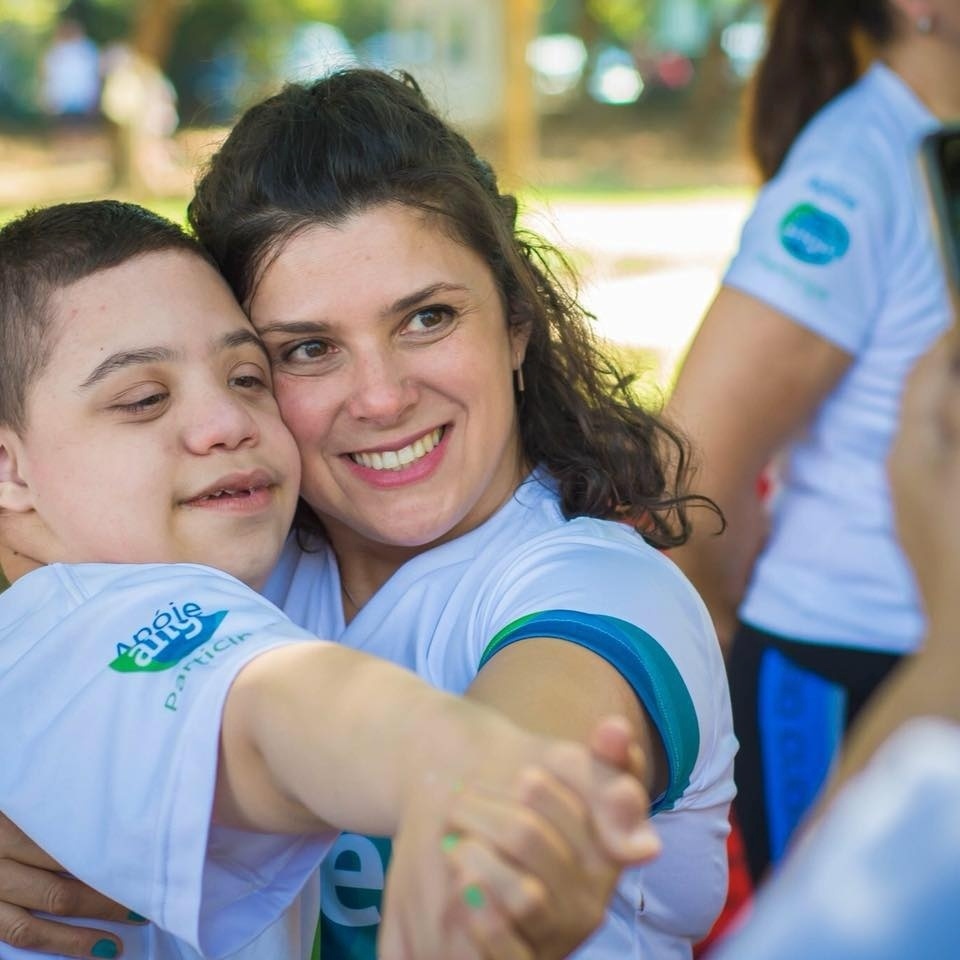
(32, 881)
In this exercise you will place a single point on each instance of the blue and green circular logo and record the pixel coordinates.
(813, 236)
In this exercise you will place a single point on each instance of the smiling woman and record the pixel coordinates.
(483, 497)
(399, 338)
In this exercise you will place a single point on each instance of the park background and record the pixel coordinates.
(618, 122)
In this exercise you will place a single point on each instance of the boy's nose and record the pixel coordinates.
(220, 422)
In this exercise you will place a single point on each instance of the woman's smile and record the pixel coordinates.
(403, 405)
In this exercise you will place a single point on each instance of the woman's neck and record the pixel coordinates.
(930, 65)
(364, 566)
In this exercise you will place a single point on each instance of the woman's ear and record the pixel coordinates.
(15, 494)
(519, 338)
(920, 13)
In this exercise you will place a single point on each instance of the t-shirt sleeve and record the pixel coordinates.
(115, 711)
(621, 600)
(813, 249)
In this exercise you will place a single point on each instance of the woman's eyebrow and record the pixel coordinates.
(398, 306)
(424, 293)
(241, 338)
(295, 326)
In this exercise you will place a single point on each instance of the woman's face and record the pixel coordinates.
(394, 370)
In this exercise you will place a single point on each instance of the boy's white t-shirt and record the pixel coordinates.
(112, 682)
(840, 241)
(529, 572)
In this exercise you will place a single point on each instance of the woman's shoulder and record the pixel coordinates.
(588, 554)
(863, 137)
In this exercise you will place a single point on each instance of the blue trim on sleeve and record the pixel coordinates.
(643, 663)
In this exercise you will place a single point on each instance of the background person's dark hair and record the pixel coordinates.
(811, 56)
(49, 248)
(318, 153)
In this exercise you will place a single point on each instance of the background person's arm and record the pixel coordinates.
(751, 379)
(924, 468)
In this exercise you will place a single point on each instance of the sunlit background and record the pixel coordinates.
(617, 121)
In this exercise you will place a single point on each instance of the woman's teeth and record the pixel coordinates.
(398, 459)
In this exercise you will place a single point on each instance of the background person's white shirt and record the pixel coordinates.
(840, 241)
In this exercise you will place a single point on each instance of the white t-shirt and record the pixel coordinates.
(840, 241)
(878, 878)
(528, 572)
(112, 682)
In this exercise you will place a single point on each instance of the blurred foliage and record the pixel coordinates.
(624, 19)
(223, 54)
(232, 46)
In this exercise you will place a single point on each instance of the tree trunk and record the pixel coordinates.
(155, 23)
(154, 26)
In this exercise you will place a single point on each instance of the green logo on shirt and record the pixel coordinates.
(810, 235)
(169, 637)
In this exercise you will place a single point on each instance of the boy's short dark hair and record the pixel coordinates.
(49, 248)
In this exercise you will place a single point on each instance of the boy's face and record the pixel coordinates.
(153, 434)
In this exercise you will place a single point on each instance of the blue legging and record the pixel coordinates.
(792, 703)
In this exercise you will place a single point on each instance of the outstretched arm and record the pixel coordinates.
(412, 766)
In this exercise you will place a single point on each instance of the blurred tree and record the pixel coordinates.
(622, 20)
(154, 26)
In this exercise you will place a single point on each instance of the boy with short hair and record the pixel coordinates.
(138, 430)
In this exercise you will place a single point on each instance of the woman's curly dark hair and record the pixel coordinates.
(318, 153)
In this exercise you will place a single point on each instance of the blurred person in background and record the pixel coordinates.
(70, 75)
(835, 292)
(141, 104)
(875, 875)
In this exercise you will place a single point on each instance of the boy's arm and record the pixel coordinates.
(215, 681)
(318, 734)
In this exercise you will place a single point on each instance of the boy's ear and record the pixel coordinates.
(15, 494)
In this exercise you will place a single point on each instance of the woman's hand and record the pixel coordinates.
(31, 881)
(535, 868)
(526, 867)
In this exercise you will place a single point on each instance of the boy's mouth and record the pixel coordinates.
(234, 487)
(402, 456)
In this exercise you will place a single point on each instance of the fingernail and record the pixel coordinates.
(104, 948)
(473, 897)
(449, 841)
(136, 918)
